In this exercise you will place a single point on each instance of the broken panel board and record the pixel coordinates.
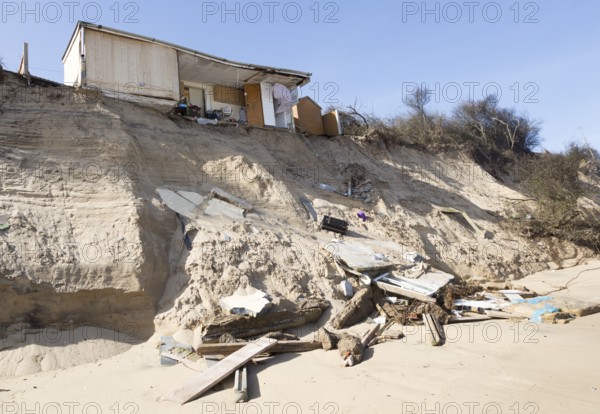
(217, 207)
(195, 198)
(396, 290)
(176, 202)
(356, 257)
(201, 383)
(224, 195)
(309, 209)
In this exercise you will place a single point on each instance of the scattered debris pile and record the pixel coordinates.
(386, 295)
(385, 291)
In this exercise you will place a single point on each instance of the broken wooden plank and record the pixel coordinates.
(396, 290)
(450, 210)
(230, 198)
(201, 383)
(194, 365)
(280, 348)
(514, 297)
(522, 293)
(358, 257)
(176, 203)
(309, 209)
(218, 207)
(502, 315)
(435, 329)
(371, 333)
(468, 319)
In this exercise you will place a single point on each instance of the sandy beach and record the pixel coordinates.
(485, 367)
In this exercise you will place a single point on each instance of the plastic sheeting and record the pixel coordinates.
(284, 98)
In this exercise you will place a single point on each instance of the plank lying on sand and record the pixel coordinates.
(240, 386)
(279, 348)
(396, 290)
(469, 319)
(201, 383)
(230, 198)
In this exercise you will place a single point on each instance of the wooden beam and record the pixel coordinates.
(247, 326)
(371, 333)
(280, 348)
(433, 327)
(467, 319)
(240, 386)
(396, 290)
(201, 383)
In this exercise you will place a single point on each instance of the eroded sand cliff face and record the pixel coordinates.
(90, 241)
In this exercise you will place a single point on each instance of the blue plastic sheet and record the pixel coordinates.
(537, 315)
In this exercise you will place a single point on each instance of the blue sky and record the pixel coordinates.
(543, 57)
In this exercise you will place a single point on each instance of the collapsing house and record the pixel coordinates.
(134, 67)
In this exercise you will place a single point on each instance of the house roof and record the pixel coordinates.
(300, 78)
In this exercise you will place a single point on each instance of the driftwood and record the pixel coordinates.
(241, 327)
(328, 340)
(356, 310)
(281, 347)
(351, 346)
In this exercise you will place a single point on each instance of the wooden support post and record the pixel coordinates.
(433, 327)
(240, 385)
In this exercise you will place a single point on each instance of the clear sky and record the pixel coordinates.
(543, 57)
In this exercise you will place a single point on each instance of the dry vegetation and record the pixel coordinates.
(503, 142)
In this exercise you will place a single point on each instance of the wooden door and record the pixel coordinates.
(254, 108)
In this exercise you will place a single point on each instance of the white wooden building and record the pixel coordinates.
(131, 66)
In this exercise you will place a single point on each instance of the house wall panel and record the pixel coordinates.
(72, 63)
(131, 66)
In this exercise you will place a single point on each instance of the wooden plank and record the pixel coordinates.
(434, 329)
(280, 348)
(396, 290)
(309, 117)
(201, 383)
(331, 124)
(240, 387)
(514, 297)
(501, 315)
(309, 208)
(467, 319)
(231, 199)
(371, 333)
